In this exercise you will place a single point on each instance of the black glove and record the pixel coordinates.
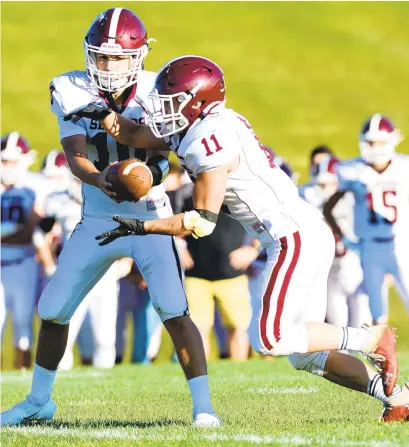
(92, 111)
(127, 227)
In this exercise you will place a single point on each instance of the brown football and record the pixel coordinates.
(131, 179)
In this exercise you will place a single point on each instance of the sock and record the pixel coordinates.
(354, 339)
(375, 389)
(42, 385)
(199, 388)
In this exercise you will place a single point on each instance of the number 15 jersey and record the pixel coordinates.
(258, 193)
(381, 199)
(72, 90)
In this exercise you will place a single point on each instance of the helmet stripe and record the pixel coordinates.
(114, 25)
(12, 141)
(374, 124)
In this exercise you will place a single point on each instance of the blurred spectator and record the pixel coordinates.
(147, 327)
(347, 301)
(21, 209)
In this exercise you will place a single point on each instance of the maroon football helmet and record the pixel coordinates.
(186, 89)
(378, 139)
(116, 32)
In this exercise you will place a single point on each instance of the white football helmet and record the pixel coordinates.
(324, 176)
(378, 139)
(16, 157)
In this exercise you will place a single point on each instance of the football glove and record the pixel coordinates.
(91, 111)
(127, 227)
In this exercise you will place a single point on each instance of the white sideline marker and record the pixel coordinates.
(294, 390)
(284, 439)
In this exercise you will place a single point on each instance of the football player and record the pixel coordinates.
(116, 46)
(20, 212)
(63, 206)
(229, 165)
(379, 182)
(347, 302)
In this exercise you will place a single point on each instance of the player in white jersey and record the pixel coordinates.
(347, 302)
(379, 182)
(229, 166)
(20, 212)
(115, 49)
(64, 207)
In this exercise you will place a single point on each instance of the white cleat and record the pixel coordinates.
(206, 420)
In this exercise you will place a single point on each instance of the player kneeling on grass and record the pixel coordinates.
(230, 167)
(115, 48)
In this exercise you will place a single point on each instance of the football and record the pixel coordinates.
(130, 179)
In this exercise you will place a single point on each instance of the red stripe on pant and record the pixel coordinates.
(283, 290)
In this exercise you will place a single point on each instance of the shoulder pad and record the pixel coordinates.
(70, 91)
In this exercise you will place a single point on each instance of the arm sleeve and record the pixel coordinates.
(211, 150)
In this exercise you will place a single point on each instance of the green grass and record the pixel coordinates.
(303, 74)
(263, 402)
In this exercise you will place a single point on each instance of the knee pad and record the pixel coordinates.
(312, 362)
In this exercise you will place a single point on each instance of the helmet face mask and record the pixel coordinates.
(113, 81)
(167, 118)
(187, 89)
(378, 140)
(118, 34)
(12, 172)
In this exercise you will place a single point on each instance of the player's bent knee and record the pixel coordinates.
(312, 362)
(293, 339)
(52, 313)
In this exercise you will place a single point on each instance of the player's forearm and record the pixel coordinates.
(328, 213)
(129, 133)
(84, 169)
(172, 226)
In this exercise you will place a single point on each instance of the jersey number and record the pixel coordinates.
(13, 213)
(269, 156)
(100, 141)
(216, 145)
(380, 205)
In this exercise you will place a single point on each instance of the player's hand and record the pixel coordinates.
(91, 111)
(105, 186)
(242, 257)
(127, 227)
(351, 245)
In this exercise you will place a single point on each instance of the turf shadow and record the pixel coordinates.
(97, 424)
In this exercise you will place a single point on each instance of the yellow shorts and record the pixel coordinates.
(232, 296)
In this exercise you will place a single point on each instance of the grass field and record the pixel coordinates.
(260, 402)
(303, 74)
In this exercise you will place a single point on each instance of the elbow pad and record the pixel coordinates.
(201, 222)
(159, 166)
